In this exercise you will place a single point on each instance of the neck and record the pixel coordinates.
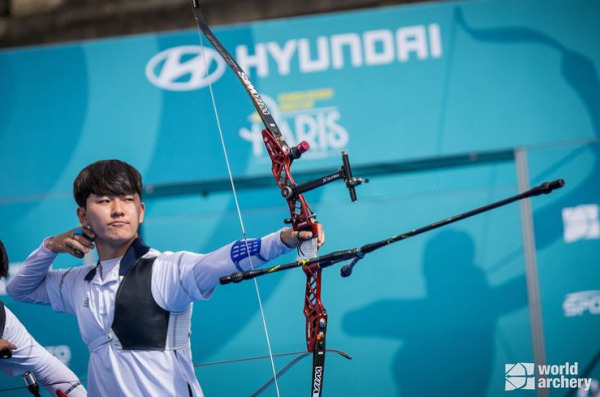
(109, 250)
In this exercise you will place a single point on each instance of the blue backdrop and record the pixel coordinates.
(440, 314)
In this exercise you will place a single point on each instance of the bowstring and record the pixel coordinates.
(239, 213)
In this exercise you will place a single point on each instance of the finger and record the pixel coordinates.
(4, 344)
(84, 241)
(75, 252)
(75, 248)
(84, 235)
(321, 236)
(304, 236)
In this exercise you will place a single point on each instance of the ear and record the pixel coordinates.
(142, 212)
(81, 214)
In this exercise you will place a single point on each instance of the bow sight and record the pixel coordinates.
(345, 173)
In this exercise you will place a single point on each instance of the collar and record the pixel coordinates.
(136, 250)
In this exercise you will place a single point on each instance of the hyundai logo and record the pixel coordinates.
(185, 68)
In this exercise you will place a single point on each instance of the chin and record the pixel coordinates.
(120, 239)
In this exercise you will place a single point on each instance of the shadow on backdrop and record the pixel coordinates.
(448, 336)
(578, 71)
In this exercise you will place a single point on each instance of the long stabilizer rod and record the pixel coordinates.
(355, 254)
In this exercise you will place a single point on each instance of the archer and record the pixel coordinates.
(20, 352)
(134, 306)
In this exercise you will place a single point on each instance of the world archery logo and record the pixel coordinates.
(185, 68)
(519, 376)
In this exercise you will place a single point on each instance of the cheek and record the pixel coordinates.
(96, 215)
(136, 213)
(92, 219)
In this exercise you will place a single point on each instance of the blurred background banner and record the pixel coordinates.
(445, 107)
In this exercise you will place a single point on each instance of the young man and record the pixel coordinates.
(134, 306)
(20, 353)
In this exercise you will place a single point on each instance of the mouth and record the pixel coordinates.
(118, 224)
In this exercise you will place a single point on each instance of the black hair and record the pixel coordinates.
(106, 177)
(3, 261)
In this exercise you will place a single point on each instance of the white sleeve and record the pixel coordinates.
(31, 356)
(55, 375)
(179, 278)
(35, 283)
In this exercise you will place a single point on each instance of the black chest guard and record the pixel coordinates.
(139, 323)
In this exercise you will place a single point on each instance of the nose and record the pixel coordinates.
(118, 208)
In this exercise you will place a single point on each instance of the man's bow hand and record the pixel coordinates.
(293, 239)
